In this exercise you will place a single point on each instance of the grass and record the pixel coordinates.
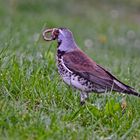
(34, 101)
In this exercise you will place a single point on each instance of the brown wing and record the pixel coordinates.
(81, 64)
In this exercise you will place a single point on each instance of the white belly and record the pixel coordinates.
(73, 81)
(76, 83)
(67, 80)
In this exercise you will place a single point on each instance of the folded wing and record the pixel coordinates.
(81, 64)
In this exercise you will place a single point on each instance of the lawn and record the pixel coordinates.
(35, 104)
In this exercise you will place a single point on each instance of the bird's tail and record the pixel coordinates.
(132, 92)
(123, 88)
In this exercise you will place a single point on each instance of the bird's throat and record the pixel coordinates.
(60, 53)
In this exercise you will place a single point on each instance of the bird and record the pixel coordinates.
(80, 71)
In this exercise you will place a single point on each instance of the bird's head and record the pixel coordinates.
(63, 36)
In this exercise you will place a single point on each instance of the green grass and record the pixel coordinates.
(34, 101)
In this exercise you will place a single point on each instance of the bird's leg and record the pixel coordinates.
(83, 97)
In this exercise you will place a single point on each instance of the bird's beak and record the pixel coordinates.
(54, 34)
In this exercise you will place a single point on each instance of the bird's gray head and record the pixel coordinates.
(64, 34)
(64, 38)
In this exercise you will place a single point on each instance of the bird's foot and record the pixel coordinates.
(82, 103)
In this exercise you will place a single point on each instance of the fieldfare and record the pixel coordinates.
(80, 71)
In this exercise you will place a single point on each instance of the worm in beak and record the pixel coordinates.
(53, 34)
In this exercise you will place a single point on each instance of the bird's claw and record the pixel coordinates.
(82, 103)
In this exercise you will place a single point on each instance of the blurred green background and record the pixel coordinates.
(98, 20)
(34, 102)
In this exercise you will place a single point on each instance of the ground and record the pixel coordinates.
(34, 101)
